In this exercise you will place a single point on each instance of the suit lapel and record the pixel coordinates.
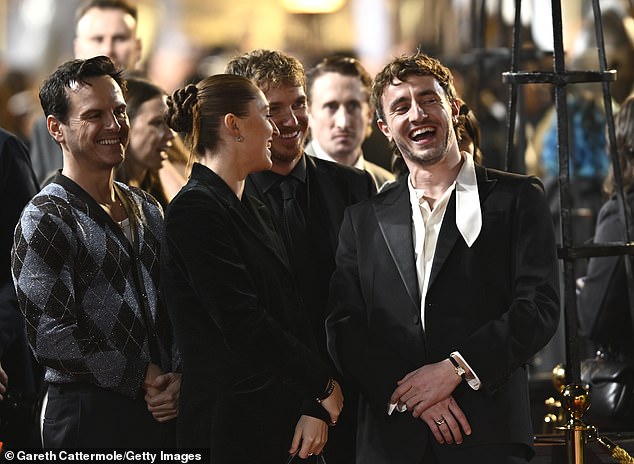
(256, 217)
(249, 212)
(449, 233)
(485, 185)
(447, 238)
(395, 221)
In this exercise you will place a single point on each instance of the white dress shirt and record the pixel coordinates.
(321, 154)
(426, 223)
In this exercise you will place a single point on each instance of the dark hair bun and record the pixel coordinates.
(180, 108)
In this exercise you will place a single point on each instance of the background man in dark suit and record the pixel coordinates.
(307, 196)
(340, 114)
(446, 284)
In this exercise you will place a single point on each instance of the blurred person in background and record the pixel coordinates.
(468, 133)
(340, 115)
(150, 137)
(589, 161)
(109, 28)
(21, 378)
(603, 303)
(18, 104)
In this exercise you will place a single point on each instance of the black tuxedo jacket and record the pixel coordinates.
(497, 303)
(250, 366)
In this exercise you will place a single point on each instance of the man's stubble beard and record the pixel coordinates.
(286, 157)
(437, 156)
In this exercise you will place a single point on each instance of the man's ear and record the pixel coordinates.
(384, 128)
(54, 127)
(456, 104)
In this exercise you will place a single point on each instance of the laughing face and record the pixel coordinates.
(418, 118)
(150, 135)
(260, 134)
(97, 130)
(288, 112)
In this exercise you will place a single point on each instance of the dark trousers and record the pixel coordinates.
(512, 453)
(80, 415)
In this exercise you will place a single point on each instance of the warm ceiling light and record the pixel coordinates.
(313, 6)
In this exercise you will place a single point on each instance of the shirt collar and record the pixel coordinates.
(268, 179)
(468, 211)
(321, 153)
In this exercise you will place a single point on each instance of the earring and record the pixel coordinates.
(239, 138)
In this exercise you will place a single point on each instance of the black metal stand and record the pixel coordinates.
(568, 253)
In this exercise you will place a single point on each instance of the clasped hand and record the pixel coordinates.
(161, 393)
(426, 392)
(311, 434)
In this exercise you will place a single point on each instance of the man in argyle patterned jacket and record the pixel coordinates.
(86, 272)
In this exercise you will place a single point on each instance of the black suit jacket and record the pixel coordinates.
(17, 186)
(331, 189)
(496, 303)
(250, 367)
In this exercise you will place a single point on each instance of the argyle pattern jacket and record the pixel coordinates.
(89, 296)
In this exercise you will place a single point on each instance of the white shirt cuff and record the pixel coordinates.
(470, 376)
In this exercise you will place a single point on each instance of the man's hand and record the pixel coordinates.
(333, 404)
(311, 435)
(426, 386)
(4, 382)
(162, 393)
(447, 421)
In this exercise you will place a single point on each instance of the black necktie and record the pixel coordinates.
(293, 219)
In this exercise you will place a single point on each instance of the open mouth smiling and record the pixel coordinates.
(289, 135)
(112, 141)
(421, 134)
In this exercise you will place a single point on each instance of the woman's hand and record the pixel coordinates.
(311, 435)
(333, 404)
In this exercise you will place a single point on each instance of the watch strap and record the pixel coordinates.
(459, 370)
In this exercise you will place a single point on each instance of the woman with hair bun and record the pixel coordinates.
(254, 388)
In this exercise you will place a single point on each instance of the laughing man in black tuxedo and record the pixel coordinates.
(446, 285)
